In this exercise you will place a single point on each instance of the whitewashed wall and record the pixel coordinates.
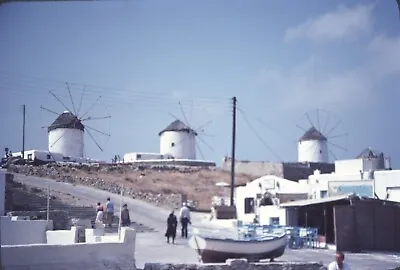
(313, 151)
(135, 156)
(272, 211)
(387, 182)
(353, 166)
(80, 256)
(349, 166)
(272, 184)
(181, 145)
(22, 232)
(62, 237)
(67, 141)
(2, 192)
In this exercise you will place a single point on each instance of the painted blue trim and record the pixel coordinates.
(259, 240)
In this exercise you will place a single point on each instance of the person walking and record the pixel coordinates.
(172, 224)
(125, 218)
(339, 263)
(99, 216)
(109, 212)
(184, 217)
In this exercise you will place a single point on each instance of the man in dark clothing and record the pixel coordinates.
(125, 218)
(172, 223)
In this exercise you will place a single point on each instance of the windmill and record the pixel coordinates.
(324, 140)
(66, 133)
(179, 138)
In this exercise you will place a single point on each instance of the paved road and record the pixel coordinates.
(152, 247)
(141, 212)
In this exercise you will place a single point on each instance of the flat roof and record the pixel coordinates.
(300, 203)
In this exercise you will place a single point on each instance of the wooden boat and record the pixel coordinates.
(214, 249)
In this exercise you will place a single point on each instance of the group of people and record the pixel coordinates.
(109, 214)
(172, 223)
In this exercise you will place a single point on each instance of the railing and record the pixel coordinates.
(297, 237)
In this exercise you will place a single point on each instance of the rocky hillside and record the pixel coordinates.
(160, 185)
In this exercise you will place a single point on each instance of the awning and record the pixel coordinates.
(315, 201)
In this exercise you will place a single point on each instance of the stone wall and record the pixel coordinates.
(254, 168)
(8, 192)
(237, 265)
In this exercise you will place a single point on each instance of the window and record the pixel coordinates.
(172, 144)
(29, 156)
(274, 221)
(248, 205)
(138, 156)
(65, 158)
(323, 193)
(48, 156)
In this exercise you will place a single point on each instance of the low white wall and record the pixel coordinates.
(23, 232)
(62, 237)
(85, 256)
(94, 235)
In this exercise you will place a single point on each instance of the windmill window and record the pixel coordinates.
(248, 205)
(320, 151)
(172, 144)
(48, 156)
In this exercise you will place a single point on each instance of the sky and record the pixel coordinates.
(145, 63)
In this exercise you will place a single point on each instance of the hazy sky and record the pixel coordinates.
(280, 58)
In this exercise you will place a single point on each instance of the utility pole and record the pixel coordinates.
(234, 100)
(23, 130)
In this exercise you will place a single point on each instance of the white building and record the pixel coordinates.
(138, 156)
(367, 175)
(66, 135)
(43, 156)
(178, 140)
(313, 147)
(40, 156)
(259, 199)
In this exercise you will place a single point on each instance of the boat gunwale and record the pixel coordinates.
(260, 240)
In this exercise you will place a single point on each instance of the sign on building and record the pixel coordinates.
(364, 188)
(268, 184)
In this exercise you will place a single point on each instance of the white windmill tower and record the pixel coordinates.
(313, 147)
(178, 139)
(66, 133)
(318, 142)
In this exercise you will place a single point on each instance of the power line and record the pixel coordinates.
(257, 135)
(138, 107)
(133, 99)
(100, 89)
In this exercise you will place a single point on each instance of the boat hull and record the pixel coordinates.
(212, 256)
(219, 250)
